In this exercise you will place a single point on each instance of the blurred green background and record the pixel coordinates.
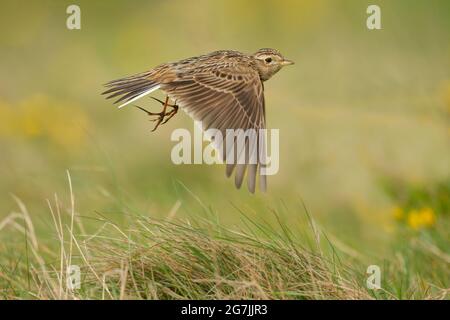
(363, 115)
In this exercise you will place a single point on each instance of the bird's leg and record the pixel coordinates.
(161, 115)
(171, 113)
(162, 102)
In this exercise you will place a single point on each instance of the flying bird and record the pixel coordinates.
(223, 90)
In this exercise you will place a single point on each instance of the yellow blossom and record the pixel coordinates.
(60, 122)
(418, 219)
(428, 217)
(413, 219)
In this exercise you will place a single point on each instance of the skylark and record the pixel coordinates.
(223, 89)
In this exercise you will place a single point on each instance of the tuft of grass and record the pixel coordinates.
(192, 259)
(165, 260)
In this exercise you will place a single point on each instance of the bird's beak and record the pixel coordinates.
(287, 62)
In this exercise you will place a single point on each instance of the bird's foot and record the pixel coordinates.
(163, 116)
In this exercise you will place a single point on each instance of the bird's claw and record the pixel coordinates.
(163, 116)
(170, 114)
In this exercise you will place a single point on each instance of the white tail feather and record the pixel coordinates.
(139, 96)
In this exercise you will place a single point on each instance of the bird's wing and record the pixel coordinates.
(226, 96)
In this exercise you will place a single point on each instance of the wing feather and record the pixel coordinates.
(225, 96)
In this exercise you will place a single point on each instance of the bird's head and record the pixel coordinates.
(268, 62)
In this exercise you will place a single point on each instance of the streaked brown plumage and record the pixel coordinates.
(223, 89)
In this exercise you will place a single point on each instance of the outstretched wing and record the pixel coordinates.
(225, 96)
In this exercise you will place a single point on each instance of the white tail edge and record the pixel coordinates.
(139, 96)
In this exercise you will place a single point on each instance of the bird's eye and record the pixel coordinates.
(268, 60)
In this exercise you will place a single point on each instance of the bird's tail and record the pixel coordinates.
(130, 88)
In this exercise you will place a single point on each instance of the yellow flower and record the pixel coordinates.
(41, 117)
(30, 125)
(418, 219)
(428, 217)
(414, 220)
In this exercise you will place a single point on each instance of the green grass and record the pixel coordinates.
(199, 259)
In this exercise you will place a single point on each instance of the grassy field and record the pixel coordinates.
(364, 155)
(199, 258)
